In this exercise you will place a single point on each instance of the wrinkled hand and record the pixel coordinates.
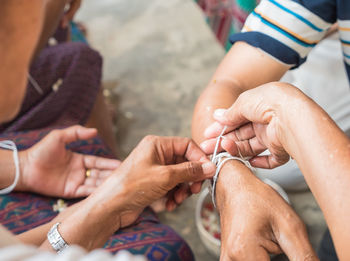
(48, 168)
(157, 167)
(255, 220)
(253, 124)
(68, 16)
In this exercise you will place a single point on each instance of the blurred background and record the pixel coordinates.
(158, 57)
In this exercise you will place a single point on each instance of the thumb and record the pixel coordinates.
(191, 171)
(230, 117)
(76, 133)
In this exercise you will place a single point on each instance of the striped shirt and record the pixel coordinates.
(289, 29)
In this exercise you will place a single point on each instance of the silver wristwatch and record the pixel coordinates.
(56, 240)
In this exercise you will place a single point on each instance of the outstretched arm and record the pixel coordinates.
(284, 120)
(244, 67)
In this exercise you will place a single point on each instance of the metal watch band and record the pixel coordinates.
(56, 240)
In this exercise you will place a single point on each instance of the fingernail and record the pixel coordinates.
(208, 168)
(218, 113)
(207, 132)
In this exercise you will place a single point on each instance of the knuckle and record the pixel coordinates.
(55, 133)
(236, 253)
(293, 223)
(167, 175)
(190, 169)
(149, 139)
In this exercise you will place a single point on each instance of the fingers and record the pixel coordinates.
(84, 191)
(74, 133)
(269, 161)
(182, 193)
(239, 142)
(188, 149)
(249, 107)
(96, 178)
(196, 187)
(94, 162)
(215, 129)
(230, 117)
(178, 195)
(208, 146)
(245, 148)
(190, 172)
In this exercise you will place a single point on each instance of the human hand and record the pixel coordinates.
(157, 167)
(254, 124)
(255, 220)
(48, 168)
(68, 16)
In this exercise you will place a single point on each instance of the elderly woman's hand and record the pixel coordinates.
(49, 168)
(157, 167)
(255, 220)
(254, 124)
(154, 169)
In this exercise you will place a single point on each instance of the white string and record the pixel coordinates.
(10, 145)
(35, 84)
(219, 159)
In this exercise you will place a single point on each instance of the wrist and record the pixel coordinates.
(90, 225)
(22, 184)
(233, 178)
(289, 105)
(296, 111)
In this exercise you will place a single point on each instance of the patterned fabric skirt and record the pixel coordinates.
(65, 81)
(226, 17)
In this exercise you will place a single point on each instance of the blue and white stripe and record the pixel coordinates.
(288, 22)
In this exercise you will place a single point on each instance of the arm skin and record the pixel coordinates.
(20, 27)
(244, 67)
(322, 152)
(285, 120)
(152, 171)
(251, 220)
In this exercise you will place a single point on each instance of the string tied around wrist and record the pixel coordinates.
(219, 159)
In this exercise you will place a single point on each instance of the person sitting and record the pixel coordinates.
(278, 36)
(57, 159)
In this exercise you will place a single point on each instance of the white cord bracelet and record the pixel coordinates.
(219, 160)
(10, 145)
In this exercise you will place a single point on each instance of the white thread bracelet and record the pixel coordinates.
(219, 160)
(10, 145)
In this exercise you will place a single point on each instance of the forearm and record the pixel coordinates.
(322, 152)
(244, 67)
(218, 94)
(37, 236)
(89, 225)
